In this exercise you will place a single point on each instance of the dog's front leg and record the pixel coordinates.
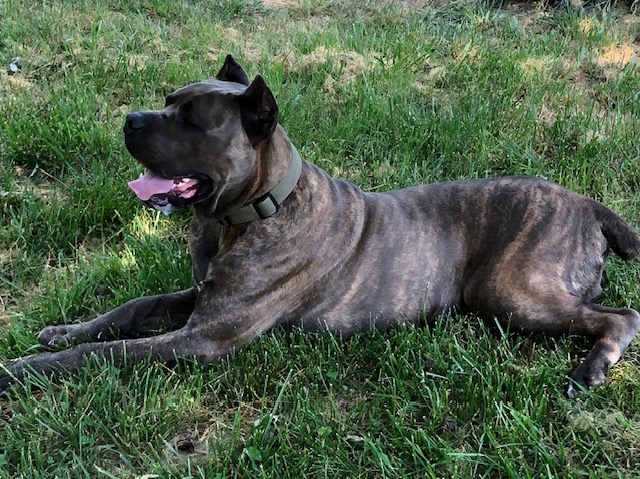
(167, 347)
(132, 319)
(202, 339)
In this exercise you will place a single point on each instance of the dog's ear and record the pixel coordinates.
(259, 111)
(232, 71)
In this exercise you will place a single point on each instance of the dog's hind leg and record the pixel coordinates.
(614, 329)
(132, 319)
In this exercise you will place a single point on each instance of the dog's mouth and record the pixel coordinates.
(166, 194)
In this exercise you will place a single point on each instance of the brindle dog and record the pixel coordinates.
(277, 241)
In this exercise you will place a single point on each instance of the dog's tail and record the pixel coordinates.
(622, 238)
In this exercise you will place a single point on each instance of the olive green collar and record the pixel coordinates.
(268, 204)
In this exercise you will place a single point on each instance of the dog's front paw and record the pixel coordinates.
(57, 336)
(589, 375)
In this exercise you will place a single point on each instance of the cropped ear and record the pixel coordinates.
(232, 71)
(259, 111)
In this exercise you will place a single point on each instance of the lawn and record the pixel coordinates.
(384, 94)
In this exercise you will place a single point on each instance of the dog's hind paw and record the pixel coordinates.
(589, 375)
(574, 390)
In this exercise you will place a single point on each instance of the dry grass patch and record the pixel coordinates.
(539, 64)
(285, 4)
(618, 55)
(349, 63)
(15, 84)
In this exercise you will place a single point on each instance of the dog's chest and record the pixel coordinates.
(203, 247)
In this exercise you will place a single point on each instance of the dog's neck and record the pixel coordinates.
(278, 168)
(273, 157)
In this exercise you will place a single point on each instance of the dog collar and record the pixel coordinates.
(268, 204)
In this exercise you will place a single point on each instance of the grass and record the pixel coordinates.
(383, 95)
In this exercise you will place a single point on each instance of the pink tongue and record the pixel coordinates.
(149, 184)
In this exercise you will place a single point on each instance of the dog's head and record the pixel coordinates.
(202, 145)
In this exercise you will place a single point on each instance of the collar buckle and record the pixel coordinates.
(266, 206)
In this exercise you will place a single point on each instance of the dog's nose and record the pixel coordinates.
(135, 121)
